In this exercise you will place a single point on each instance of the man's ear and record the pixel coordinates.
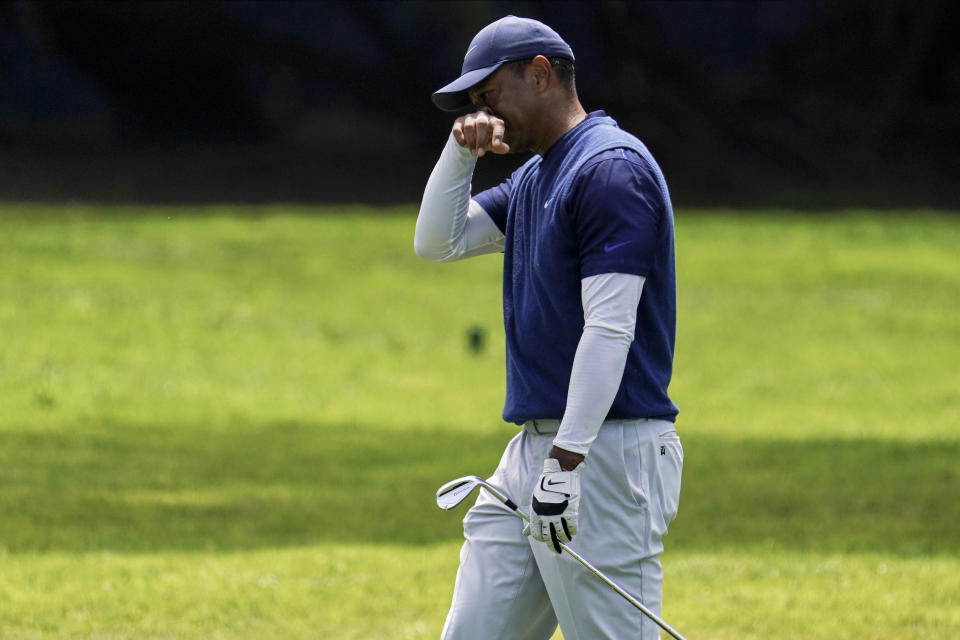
(541, 71)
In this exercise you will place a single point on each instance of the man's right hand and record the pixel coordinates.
(480, 132)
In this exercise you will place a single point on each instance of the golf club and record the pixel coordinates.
(453, 493)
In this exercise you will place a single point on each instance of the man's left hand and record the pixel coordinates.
(556, 502)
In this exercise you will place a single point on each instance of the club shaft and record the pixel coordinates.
(576, 556)
(613, 585)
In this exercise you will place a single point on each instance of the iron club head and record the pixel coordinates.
(453, 493)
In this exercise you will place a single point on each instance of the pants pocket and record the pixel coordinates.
(669, 466)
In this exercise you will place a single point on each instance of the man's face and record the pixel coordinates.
(509, 96)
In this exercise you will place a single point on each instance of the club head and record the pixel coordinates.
(453, 493)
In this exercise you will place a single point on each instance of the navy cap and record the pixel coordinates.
(509, 38)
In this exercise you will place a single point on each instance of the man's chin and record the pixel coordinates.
(515, 145)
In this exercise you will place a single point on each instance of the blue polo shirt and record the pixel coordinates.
(595, 203)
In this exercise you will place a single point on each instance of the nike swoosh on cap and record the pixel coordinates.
(469, 50)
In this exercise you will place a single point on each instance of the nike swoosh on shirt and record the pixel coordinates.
(610, 247)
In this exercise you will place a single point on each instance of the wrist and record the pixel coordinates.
(568, 459)
(459, 153)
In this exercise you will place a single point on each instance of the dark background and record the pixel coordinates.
(793, 104)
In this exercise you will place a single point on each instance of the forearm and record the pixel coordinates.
(610, 310)
(594, 381)
(450, 225)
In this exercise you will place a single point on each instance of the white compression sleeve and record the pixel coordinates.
(451, 225)
(610, 316)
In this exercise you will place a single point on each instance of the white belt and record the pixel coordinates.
(542, 427)
(546, 427)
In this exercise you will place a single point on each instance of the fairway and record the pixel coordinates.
(229, 422)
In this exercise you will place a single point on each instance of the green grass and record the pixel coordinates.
(204, 414)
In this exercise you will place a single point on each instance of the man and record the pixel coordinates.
(589, 307)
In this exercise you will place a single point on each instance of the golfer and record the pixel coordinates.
(589, 309)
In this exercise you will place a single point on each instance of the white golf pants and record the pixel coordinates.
(514, 588)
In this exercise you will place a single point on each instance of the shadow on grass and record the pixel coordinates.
(823, 495)
(156, 488)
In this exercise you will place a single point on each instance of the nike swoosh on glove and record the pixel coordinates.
(556, 502)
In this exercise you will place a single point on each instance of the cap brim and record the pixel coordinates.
(453, 97)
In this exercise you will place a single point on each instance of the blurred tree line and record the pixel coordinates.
(793, 103)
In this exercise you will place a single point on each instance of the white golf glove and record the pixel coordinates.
(556, 501)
